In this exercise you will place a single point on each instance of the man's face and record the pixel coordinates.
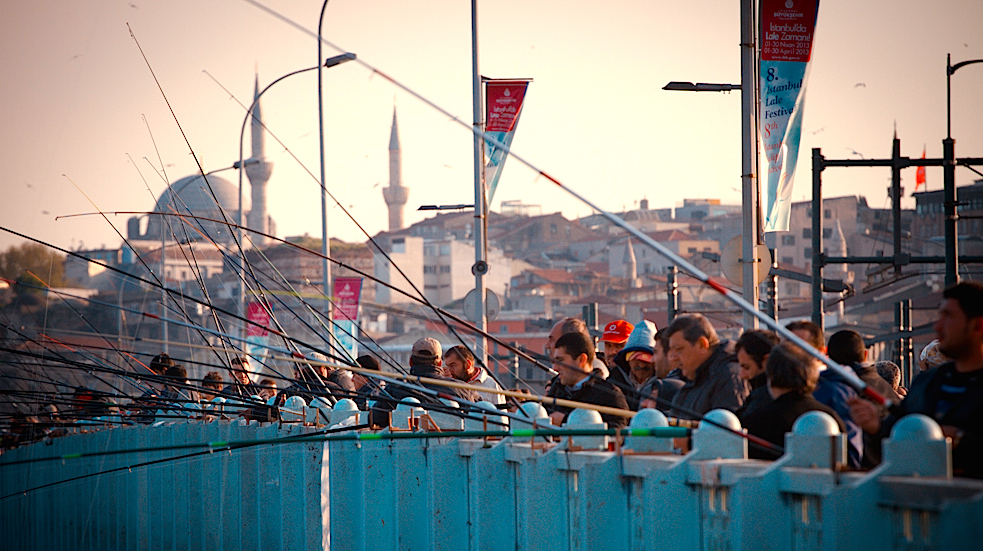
(662, 367)
(571, 370)
(955, 330)
(641, 370)
(611, 350)
(552, 337)
(749, 368)
(242, 372)
(457, 367)
(688, 356)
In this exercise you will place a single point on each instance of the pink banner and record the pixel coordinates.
(503, 101)
(503, 105)
(347, 293)
(257, 314)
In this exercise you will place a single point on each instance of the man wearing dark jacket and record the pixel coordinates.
(709, 367)
(952, 394)
(573, 356)
(425, 361)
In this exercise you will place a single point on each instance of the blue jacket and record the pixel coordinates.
(834, 391)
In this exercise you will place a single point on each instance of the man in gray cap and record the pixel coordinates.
(425, 361)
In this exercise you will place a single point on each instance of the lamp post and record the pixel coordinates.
(330, 62)
(480, 267)
(749, 154)
(949, 180)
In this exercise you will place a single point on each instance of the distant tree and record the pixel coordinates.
(20, 261)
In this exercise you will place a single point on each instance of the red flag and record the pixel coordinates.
(920, 173)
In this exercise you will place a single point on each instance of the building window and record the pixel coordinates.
(503, 328)
(792, 288)
(553, 228)
(787, 261)
(445, 269)
(692, 250)
(827, 214)
(827, 233)
(399, 245)
(788, 240)
(806, 233)
(445, 249)
(807, 253)
(429, 269)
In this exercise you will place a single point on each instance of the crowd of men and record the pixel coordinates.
(685, 370)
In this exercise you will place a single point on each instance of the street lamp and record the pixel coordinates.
(330, 62)
(445, 207)
(749, 153)
(700, 87)
(949, 180)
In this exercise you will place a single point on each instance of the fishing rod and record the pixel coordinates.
(852, 378)
(467, 325)
(582, 405)
(421, 296)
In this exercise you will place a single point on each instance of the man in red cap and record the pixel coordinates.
(614, 338)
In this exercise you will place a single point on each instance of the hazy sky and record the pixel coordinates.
(76, 91)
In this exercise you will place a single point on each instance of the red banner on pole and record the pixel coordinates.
(257, 314)
(347, 293)
(503, 105)
(787, 28)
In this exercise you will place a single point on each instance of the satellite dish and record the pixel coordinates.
(492, 305)
(733, 268)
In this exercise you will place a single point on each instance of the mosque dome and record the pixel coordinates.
(190, 194)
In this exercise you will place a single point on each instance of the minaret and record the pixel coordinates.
(259, 174)
(631, 266)
(395, 195)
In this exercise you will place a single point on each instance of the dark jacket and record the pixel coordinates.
(662, 391)
(595, 391)
(716, 385)
(380, 411)
(834, 391)
(772, 421)
(925, 396)
(759, 397)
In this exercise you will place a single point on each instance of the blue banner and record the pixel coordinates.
(787, 31)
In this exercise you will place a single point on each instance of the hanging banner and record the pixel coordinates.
(257, 340)
(503, 105)
(347, 295)
(257, 314)
(787, 31)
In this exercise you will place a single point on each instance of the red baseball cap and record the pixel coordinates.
(617, 332)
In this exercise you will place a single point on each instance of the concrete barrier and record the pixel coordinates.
(451, 493)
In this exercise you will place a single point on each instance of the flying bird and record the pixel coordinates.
(818, 131)
(859, 84)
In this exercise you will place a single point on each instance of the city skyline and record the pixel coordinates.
(596, 117)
